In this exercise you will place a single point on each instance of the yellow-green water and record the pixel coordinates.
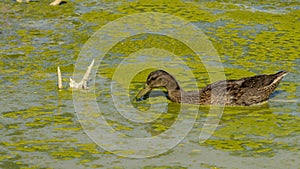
(38, 124)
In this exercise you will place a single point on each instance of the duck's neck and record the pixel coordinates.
(178, 95)
(174, 90)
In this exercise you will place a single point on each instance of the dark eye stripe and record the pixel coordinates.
(151, 78)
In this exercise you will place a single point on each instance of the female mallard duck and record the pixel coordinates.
(244, 92)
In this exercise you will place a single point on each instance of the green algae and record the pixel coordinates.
(189, 11)
(265, 45)
(164, 167)
(149, 41)
(35, 145)
(41, 117)
(88, 147)
(252, 133)
(248, 42)
(66, 153)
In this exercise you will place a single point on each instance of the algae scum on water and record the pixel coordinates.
(40, 128)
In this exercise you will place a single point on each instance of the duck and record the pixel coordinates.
(242, 92)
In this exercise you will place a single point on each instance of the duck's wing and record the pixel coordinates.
(262, 81)
(257, 89)
(219, 92)
(245, 91)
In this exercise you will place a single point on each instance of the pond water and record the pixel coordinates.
(40, 127)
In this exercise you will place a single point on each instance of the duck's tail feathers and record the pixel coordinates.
(279, 76)
(281, 73)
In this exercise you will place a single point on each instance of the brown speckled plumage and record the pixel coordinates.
(244, 92)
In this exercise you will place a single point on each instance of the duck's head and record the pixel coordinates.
(158, 78)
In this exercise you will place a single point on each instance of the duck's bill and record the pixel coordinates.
(144, 91)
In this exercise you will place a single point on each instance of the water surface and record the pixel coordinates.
(39, 126)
